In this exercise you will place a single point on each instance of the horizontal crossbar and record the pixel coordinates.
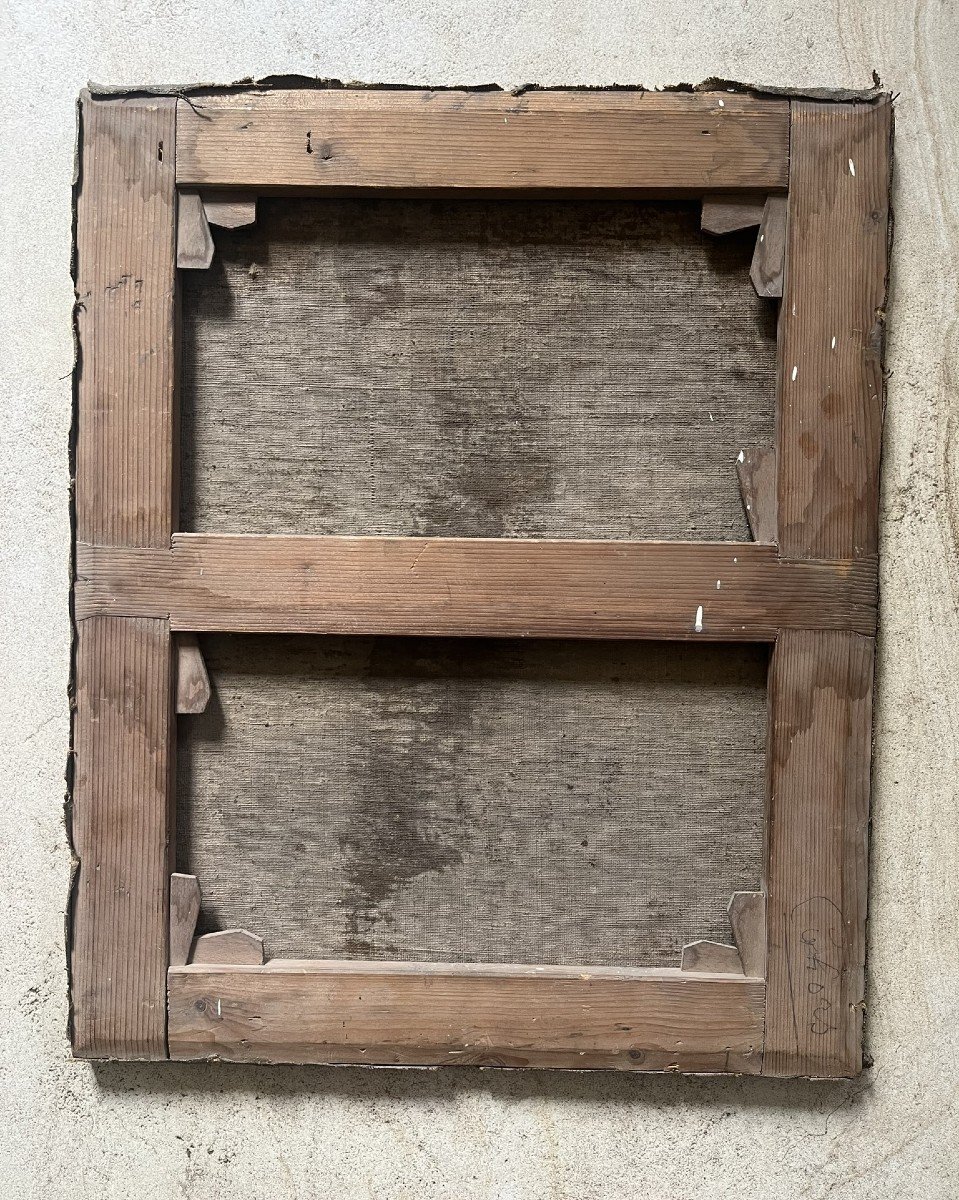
(719, 591)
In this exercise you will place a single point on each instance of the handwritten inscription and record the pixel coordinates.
(816, 960)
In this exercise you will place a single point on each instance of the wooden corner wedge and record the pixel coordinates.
(232, 947)
(230, 210)
(769, 257)
(730, 213)
(747, 918)
(194, 241)
(756, 469)
(193, 689)
(711, 957)
(184, 911)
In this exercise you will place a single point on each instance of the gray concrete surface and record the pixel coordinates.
(67, 1129)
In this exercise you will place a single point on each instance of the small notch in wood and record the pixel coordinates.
(184, 912)
(194, 241)
(230, 210)
(193, 689)
(731, 212)
(231, 947)
(769, 257)
(756, 470)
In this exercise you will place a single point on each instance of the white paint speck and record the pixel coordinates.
(735, 560)
(794, 310)
(795, 373)
(722, 104)
(719, 584)
(762, 237)
(710, 416)
(219, 1008)
(852, 168)
(699, 619)
(742, 457)
(832, 345)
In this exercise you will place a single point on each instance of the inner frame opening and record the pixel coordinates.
(473, 800)
(573, 368)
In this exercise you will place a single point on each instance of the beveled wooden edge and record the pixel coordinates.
(330, 140)
(710, 591)
(430, 1014)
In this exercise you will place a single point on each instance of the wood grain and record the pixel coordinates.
(323, 140)
(820, 692)
(125, 285)
(434, 1013)
(831, 333)
(475, 587)
(123, 744)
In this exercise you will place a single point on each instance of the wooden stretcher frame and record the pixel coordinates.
(786, 997)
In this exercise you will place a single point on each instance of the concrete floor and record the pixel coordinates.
(68, 1129)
